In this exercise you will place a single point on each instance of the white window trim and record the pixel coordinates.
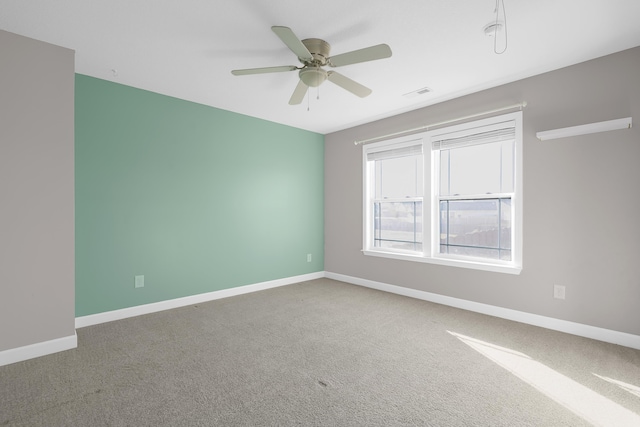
(369, 175)
(430, 253)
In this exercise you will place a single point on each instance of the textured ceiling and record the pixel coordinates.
(187, 49)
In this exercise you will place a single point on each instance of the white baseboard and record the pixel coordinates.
(94, 319)
(39, 349)
(600, 334)
(66, 343)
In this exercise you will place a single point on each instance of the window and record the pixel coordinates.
(396, 199)
(451, 196)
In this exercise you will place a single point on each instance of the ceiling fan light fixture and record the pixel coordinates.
(313, 76)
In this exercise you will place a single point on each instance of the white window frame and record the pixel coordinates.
(369, 195)
(430, 205)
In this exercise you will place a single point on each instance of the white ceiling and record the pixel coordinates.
(187, 48)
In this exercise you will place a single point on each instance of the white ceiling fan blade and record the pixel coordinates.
(293, 42)
(348, 84)
(264, 70)
(298, 94)
(361, 55)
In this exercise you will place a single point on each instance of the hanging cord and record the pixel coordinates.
(506, 38)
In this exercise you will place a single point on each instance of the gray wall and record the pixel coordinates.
(581, 200)
(36, 192)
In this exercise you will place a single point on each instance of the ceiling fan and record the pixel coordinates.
(314, 54)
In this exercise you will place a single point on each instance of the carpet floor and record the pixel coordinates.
(324, 353)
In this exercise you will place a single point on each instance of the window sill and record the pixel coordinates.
(496, 268)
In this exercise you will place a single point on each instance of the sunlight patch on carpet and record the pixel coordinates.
(625, 386)
(581, 400)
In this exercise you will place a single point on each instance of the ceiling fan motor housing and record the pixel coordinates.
(312, 75)
(319, 49)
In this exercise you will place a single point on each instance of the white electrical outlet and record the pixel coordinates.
(139, 281)
(558, 291)
(308, 257)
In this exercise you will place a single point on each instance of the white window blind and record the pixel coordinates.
(410, 150)
(502, 132)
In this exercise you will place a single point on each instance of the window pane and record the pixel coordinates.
(477, 169)
(399, 177)
(398, 225)
(479, 228)
(474, 223)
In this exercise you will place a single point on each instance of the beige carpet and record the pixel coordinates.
(323, 353)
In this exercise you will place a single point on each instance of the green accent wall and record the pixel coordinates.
(195, 198)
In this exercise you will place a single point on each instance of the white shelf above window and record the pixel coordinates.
(585, 129)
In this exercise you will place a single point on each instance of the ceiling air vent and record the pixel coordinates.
(417, 92)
